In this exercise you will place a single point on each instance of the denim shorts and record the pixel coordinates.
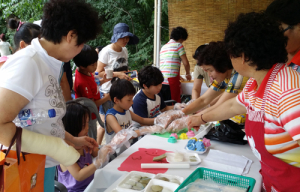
(105, 106)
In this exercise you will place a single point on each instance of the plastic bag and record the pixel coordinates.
(167, 117)
(177, 125)
(227, 131)
(151, 129)
(122, 138)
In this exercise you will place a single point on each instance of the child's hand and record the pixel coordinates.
(122, 136)
(103, 156)
(151, 129)
(179, 106)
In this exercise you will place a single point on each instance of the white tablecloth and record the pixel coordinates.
(105, 179)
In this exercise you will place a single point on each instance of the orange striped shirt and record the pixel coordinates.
(282, 113)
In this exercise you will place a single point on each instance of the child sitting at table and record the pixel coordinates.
(148, 102)
(78, 176)
(120, 117)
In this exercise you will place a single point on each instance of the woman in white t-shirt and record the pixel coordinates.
(30, 80)
(4, 46)
(115, 56)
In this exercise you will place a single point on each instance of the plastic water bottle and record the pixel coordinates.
(28, 117)
(97, 80)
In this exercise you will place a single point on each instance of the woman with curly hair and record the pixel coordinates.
(30, 79)
(270, 98)
(288, 14)
(215, 61)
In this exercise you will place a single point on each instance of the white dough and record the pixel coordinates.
(126, 186)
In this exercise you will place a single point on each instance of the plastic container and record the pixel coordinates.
(129, 175)
(160, 175)
(165, 184)
(28, 117)
(186, 158)
(198, 152)
(219, 177)
(97, 80)
(204, 129)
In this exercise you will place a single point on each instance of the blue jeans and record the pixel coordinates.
(105, 106)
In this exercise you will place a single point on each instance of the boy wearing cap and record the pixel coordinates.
(115, 56)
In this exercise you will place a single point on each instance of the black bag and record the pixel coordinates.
(227, 131)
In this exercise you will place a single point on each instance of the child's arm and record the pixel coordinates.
(102, 100)
(167, 108)
(141, 120)
(112, 123)
(78, 173)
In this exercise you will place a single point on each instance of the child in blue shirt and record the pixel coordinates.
(120, 117)
(148, 102)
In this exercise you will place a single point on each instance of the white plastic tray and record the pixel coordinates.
(160, 175)
(198, 152)
(186, 158)
(129, 176)
(204, 129)
(168, 185)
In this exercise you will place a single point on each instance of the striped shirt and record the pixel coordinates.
(282, 113)
(234, 84)
(170, 60)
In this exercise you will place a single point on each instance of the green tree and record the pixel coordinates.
(138, 14)
(25, 10)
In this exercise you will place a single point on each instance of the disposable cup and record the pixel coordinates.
(109, 73)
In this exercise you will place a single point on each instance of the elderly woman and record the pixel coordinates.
(288, 14)
(256, 46)
(215, 61)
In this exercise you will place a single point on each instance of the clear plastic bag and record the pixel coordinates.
(177, 125)
(122, 138)
(167, 117)
(151, 129)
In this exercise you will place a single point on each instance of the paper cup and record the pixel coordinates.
(109, 73)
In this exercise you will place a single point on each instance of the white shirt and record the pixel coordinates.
(32, 73)
(113, 60)
(4, 48)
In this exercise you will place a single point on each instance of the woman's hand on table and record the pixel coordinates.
(194, 122)
(188, 77)
(87, 143)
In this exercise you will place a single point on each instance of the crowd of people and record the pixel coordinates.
(253, 72)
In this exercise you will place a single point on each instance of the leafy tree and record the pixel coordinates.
(138, 14)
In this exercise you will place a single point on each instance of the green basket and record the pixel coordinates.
(219, 177)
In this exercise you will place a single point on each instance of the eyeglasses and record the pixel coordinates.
(288, 27)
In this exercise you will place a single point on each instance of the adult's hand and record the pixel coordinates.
(122, 75)
(194, 122)
(87, 143)
(188, 77)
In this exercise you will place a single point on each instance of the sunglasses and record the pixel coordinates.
(288, 27)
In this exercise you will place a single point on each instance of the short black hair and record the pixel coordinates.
(286, 11)
(259, 38)
(179, 33)
(26, 32)
(75, 118)
(86, 57)
(120, 88)
(199, 51)
(215, 54)
(62, 16)
(150, 75)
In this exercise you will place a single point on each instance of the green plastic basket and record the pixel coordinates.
(219, 177)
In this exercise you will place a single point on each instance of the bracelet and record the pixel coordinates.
(202, 119)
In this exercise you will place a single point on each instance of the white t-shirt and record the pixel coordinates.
(32, 73)
(4, 48)
(113, 60)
